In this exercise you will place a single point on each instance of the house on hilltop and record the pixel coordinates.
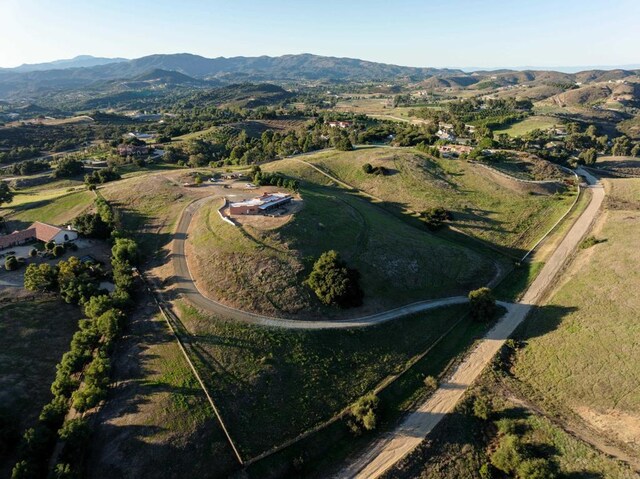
(260, 204)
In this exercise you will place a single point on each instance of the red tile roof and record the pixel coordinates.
(17, 237)
(45, 232)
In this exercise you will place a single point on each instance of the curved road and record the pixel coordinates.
(395, 445)
(188, 288)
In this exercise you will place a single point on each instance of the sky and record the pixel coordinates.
(437, 33)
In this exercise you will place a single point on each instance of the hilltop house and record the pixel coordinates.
(260, 204)
(132, 150)
(339, 124)
(41, 232)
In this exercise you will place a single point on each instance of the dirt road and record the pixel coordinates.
(396, 444)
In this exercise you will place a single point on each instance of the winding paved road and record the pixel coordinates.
(188, 288)
(412, 430)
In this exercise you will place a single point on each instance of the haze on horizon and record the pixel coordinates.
(459, 33)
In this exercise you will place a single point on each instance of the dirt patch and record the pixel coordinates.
(515, 185)
(624, 427)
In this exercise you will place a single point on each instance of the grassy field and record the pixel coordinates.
(504, 214)
(33, 337)
(463, 443)
(157, 421)
(283, 382)
(531, 123)
(50, 206)
(263, 270)
(150, 206)
(582, 351)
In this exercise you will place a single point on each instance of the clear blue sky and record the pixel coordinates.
(482, 33)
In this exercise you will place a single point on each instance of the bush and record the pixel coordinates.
(508, 456)
(58, 250)
(483, 304)
(431, 384)
(52, 414)
(482, 407)
(536, 469)
(11, 263)
(33, 252)
(435, 217)
(363, 413)
(334, 283)
(367, 168)
(49, 245)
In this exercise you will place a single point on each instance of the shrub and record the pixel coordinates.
(52, 414)
(506, 426)
(508, 456)
(536, 469)
(58, 250)
(367, 168)
(22, 470)
(363, 413)
(483, 304)
(49, 245)
(33, 252)
(334, 283)
(11, 263)
(482, 407)
(435, 217)
(431, 384)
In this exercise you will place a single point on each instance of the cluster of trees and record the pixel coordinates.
(82, 375)
(102, 176)
(374, 170)
(68, 167)
(274, 179)
(28, 167)
(19, 153)
(76, 281)
(333, 282)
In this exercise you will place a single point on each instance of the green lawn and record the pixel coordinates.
(33, 337)
(527, 125)
(49, 206)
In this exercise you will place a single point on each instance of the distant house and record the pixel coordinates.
(339, 124)
(453, 150)
(132, 150)
(41, 232)
(445, 135)
(140, 136)
(232, 176)
(260, 204)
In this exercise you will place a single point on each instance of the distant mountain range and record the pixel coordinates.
(81, 61)
(85, 72)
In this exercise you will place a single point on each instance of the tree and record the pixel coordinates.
(68, 167)
(334, 283)
(6, 195)
(483, 304)
(11, 263)
(635, 151)
(621, 146)
(42, 277)
(589, 156)
(508, 455)
(125, 250)
(58, 250)
(92, 225)
(33, 252)
(536, 469)
(435, 217)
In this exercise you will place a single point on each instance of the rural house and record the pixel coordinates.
(260, 204)
(38, 231)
